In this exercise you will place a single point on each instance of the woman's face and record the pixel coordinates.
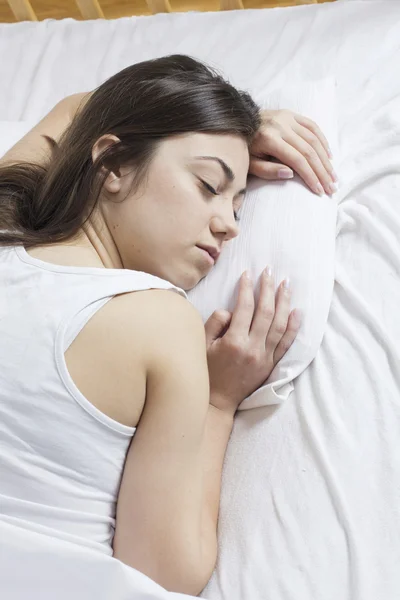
(159, 228)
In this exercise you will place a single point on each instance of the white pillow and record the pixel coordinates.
(11, 132)
(286, 226)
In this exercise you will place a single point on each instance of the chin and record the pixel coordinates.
(188, 288)
(183, 278)
(186, 281)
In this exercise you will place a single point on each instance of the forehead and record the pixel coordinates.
(230, 148)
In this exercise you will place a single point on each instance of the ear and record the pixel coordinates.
(112, 183)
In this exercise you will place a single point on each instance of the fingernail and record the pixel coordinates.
(334, 176)
(285, 174)
(319, 190)
(298, 316)
(330, 153)
(246, 276)
(332, 187)
(268, 271)
(286, 284)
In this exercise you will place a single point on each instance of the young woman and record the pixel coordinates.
(116, 407)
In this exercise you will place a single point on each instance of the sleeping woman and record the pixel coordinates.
(116, 407)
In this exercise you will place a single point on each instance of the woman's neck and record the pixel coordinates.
(99, 239)
(93, 246)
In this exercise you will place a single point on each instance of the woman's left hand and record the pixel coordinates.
(296, 142)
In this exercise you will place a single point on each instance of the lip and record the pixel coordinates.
(212, 251)
(207, 255)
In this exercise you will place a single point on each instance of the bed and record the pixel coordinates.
(310, 504)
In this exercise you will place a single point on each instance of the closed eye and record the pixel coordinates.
(209, 188)
(212, 191)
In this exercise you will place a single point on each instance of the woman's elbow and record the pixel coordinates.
(176, 573)
(191, 576)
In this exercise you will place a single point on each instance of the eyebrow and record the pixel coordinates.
(226, 169)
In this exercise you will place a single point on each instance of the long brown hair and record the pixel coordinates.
(141, 105)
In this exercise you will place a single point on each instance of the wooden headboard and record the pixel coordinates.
(92, 9)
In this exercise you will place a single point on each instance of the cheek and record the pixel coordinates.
(168, 213)
(175, 200)
(175, 191)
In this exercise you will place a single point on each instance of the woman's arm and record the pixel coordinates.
(33, 147)
(217, 432)
(168, 500)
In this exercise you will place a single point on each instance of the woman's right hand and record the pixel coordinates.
(244, 347)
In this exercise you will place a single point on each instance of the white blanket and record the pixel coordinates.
(311, 490)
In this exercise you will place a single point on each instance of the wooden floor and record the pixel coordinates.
(62, 9)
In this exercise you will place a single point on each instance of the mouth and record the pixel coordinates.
(213, 251)
(210, 259)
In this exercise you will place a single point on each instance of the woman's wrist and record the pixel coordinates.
(223, 405)
(225, 414)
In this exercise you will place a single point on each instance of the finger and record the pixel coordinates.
(289, 155)
(289, 336)
(280, 321)
(265, 310)
(312, 163)
(314, 141)
(269, 170)
(313, 127)
(244, 309)
(299, 163)
(216, 324)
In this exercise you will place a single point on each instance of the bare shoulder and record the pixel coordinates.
(160, 324)
(154, 315)
(133, 336)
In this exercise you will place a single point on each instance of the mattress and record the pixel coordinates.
(310, 503)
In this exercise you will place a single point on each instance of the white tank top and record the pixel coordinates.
(61, 459)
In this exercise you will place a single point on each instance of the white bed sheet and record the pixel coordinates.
(310, 506)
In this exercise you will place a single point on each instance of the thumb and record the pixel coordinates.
(216, 324)
(269, 170)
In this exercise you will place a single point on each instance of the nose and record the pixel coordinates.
(225, 224)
